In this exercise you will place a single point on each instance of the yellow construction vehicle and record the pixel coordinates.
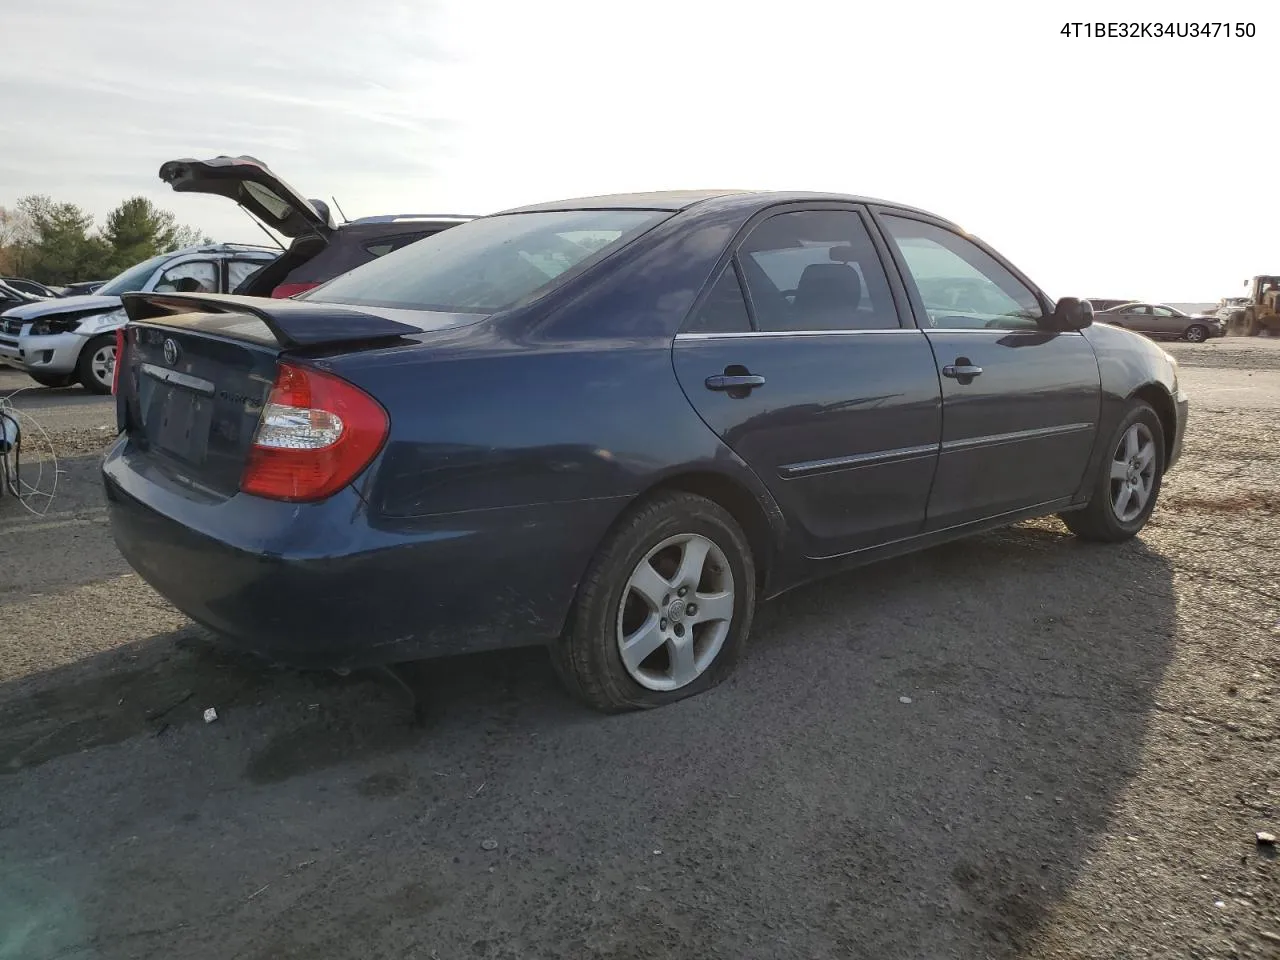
(1261, 311)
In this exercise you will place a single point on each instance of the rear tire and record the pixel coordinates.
(1128, 480)
(53, 379)
(1196, 333)
(97, 363)
(675, 578)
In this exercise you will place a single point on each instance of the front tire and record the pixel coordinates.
(664, 609)
(1128, 481)
(97, 363)
(1196, 333)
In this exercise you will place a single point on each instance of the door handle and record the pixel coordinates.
(734, 382)
(961, 371)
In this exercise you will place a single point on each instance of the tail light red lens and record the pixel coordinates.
(291, 289)
(317, 432)
(119, 361)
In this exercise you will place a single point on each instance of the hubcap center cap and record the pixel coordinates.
(675, 612)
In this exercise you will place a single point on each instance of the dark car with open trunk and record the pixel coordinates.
(320, 248)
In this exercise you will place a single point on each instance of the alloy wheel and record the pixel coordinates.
(1133, 472)
(103, 364)
(675, 612)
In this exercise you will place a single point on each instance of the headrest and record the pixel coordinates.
(827, 272)
(824, 283)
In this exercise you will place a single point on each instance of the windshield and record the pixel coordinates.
(132, 280)
(486, 265)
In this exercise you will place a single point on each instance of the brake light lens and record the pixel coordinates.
(315, 435)
(119, 361)
(286, 290)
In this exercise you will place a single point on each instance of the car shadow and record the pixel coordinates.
(22, 390)
(914, 759)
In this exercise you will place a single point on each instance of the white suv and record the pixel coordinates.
(59, 342)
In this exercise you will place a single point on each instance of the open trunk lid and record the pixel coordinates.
(197, 370)
(250, 183)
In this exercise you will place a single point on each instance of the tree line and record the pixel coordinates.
(56, 242)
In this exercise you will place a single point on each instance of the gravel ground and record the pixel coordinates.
(1089, 749)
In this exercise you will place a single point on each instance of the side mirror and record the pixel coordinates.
(1071, 313)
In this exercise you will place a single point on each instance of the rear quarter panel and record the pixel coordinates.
(541, 426)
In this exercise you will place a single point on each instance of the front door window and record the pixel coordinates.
(193, 276)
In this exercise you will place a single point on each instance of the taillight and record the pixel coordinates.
(286, 290)
(115, 372)
(316, 433)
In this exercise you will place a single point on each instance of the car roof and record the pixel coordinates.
(410, 218)
(677, 200)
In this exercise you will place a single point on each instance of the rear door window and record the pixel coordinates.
(724, 310)
(816, 270)
(238, 271)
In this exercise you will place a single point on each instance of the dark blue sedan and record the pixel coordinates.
(610, 426)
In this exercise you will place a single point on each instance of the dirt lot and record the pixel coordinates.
(1090, 747)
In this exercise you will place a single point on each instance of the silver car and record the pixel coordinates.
(72, 339)
(1161, 320)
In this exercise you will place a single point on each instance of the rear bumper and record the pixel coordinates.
(324, 585)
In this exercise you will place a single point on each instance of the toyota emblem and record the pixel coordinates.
(171, 352)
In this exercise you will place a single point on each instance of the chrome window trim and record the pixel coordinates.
(739, 334)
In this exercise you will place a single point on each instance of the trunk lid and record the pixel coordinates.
(197, 370)
(250, 183)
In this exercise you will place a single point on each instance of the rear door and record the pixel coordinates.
(797, 357)
(1137, 317)
(1020, 401)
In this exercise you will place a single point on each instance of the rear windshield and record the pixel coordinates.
(486, 265)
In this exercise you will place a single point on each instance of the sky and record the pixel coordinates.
(1125, 168)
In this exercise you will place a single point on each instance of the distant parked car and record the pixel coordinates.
(68, 339)
(608, 425)
(82, 288)
(13, 297)
(320, 249)
(31, 286)
(1161, 320)
(1099, 304)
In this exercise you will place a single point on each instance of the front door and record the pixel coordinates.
(797, 359)
(189, 276)
(1020, 401)
(1165, 323)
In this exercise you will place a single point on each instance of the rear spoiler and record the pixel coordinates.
(293, 323)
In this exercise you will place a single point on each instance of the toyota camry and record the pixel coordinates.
(610, 426)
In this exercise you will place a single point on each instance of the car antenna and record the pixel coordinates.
(340, 210)
(259, 225)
